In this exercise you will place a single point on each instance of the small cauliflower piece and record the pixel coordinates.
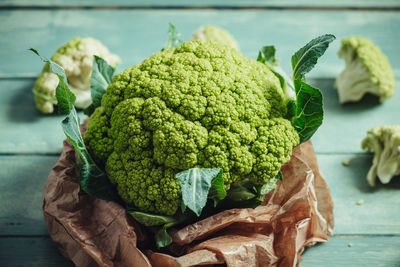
(76, 58)
(367, 71)
(215, 34)
(384, 141)
(202, 104)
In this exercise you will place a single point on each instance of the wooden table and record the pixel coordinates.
(30, 143)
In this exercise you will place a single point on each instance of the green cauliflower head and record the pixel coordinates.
(76, 58)
(215, 34)
(367, 71)
(201, 104)
(384, 141)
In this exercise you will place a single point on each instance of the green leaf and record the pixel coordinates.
(267, 56)
(57, 69)
(306, 57)
(174, 38)
(93, 180)
(240, 193)
(163, 239)
(217, 191)
(148, 219)
(271, 185)
(306, 112)
(195, 186)
(101, 77)
(65, 98)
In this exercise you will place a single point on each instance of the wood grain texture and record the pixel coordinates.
(204, 3)
(345, 126)
(127, 33)
(365, 251)
(373, 251)
(30, 252)
(21, 213)
(25, 130)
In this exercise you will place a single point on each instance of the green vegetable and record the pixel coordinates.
(187, 127)
(76, 58)
(384, 141)
(215, 34)
(367, 71)
(181, 110)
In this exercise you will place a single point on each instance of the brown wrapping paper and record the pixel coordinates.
(94, 232)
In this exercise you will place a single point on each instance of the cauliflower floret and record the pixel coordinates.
(76, 58)
(384, 141)
(202, 104)
(367, 71)
(215, 34)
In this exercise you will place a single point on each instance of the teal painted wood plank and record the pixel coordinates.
(136, 34)
(345, 126)
(380, 211)
(21, 189)
(30, 252)
(379, 251)
(206, 3)
(25, 130)
(23, 177)
(374, 251)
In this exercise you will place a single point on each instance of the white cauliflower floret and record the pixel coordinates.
(215, 34)
(76, 58)
(384, 141)
(367, 71)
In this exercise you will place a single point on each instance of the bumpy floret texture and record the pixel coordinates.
(215, 34)
(201, 104)
(384, 141)
(367, 71)
(76, 58)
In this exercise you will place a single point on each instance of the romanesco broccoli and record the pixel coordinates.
(384, 141)
(367, 71)
(202, 104)
(76, 58)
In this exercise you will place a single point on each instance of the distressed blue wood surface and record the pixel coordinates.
(205, 3)
(126, 35)
(30, 142)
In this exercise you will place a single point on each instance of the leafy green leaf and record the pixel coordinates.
(271, 185)
(307, 56)
(195, 186)
(306, 112)
(240, 193)
(217, 190)
(163, 239)
(148, 219)
(174, 38)
(64, 96)
(57, 69)
(267, 56)
(101, 77)
(93, 180)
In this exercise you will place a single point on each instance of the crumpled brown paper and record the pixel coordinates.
(94, 232)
